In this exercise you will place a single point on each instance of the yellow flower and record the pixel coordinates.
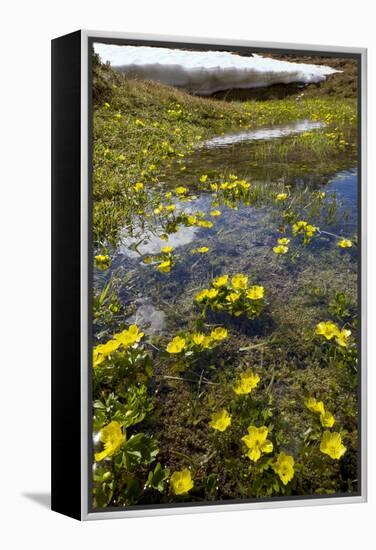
(247, 382)
(138, 186)
(219, 334)
(215, 213)
(170, 207)
(164, 267)
(203, 250)
(203, 178)
(331, 444)
(327, 419)
(342, 337)
(310, 230)
(207, 342)
(176, 345)
(167, 249)
(214, 187)
(107, 105)
(344, 243)
(181, 190)
(129, 337)
(280, 249)
(220, 281)
(209, 294)
(158, 209)
(257, 442)
(298, 227)
(255, 292)
(107, 348)
(220, 421)
(315, 406)
(198, 338)
(281, 196)
(232, 297)
(112, 437)
(102, 261)
(168, 195)
(181, 482)
(204, 223)
(284, 467)
(139, 122)
(244, 184)
(191, 220)
(200, 296)
(327, 329)
(283, 240)
(239, 281)
(212, 293)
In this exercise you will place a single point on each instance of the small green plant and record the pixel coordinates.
(233, 295)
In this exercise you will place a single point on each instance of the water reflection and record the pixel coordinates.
(266, 133)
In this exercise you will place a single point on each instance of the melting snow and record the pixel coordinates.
(209, 71)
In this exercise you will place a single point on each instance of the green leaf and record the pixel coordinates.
(139, 450)
(157, 478)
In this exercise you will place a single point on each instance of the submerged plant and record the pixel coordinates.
(196, 342)
(233, 295)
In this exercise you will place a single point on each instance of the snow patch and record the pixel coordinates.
(207, 72)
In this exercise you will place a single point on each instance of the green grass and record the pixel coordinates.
(141, 128)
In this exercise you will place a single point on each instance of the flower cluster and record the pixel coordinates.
(229, 192)
(247, 382)
(102, 261)
(125, 339)
(196, 341)
(331, 442)
(256, 439)
(326, 418)
(233, 295)
(282, 246)
(304, 228)
(164, 261)
(329, 331)
(344, 243)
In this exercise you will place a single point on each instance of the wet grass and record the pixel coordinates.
(146, 143)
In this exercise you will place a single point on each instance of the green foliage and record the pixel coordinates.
(157, 478)
(139, 450)
(128, 410)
